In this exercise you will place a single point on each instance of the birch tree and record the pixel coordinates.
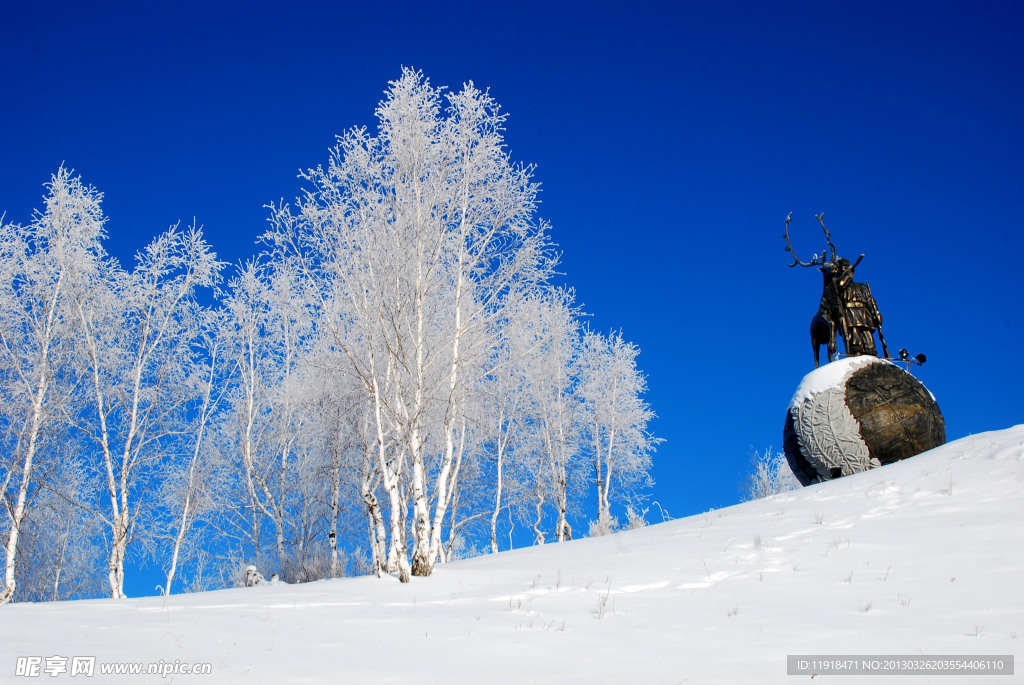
(556, 414)
(268, 330)
(339, 410)
(412, 238)
(326, 463)
(511, 396)
(136, 330)
(245, 324)
(40, 264)
(59, 549)
(616, 417)
(188, 490)
(274, 468)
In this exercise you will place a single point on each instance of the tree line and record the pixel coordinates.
(395, 380)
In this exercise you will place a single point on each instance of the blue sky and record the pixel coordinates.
(671, 141)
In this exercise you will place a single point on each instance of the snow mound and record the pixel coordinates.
(923, 556)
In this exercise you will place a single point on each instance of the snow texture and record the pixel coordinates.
(924, 556)
(832, 375)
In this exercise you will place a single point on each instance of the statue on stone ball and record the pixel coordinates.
(847, 308)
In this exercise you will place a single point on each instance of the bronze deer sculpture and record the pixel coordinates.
(831, 318)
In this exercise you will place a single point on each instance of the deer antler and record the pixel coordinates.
(828, 236)
(817, 261)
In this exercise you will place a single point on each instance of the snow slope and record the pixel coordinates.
(921, 557)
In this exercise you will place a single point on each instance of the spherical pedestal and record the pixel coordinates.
(858, 413)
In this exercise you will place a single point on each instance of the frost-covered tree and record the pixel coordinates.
(556, 439)
(40, 266)
(338, 410)
(529, 381)
(247, 347)
(192, 483)
(611, 390)
(136, 331)
(411, 240)
(506, 397)
(397, 367)
(60, 549)
(267, 330)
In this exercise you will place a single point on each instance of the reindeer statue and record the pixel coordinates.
(847, 309)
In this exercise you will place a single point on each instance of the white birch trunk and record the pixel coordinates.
(335, 503)
(186, 509)
(538, 534)
(397, 561)
(17, 513)
(498, 485)
(422, 563)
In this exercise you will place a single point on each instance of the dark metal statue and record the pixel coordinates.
(847, 309)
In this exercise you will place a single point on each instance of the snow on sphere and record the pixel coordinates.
(855, 414)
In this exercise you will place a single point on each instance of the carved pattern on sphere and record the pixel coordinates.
(899, 417)
(829, 436)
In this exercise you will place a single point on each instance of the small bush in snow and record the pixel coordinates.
(771, 475)
(604, 525)
(634, 519)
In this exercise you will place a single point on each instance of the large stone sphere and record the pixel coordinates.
(855, 414)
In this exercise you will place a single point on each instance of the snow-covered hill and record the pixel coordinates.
(921, 557)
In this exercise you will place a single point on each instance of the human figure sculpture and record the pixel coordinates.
(847, 309)
(862, 320)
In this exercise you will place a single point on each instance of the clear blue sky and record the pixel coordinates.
(671, 140)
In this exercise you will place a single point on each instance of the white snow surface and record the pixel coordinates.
(925, 556)
(831, 375)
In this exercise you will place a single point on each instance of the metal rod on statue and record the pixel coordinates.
(885, 348)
